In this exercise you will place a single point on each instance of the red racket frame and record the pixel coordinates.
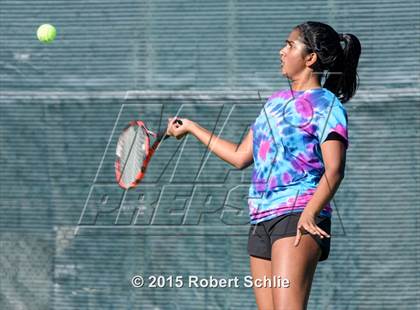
(150, 150)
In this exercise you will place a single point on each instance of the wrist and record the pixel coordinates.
(311, 211)
(191, 127)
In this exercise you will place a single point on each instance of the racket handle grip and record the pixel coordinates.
(176, 121)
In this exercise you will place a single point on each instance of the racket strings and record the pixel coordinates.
(132, 152)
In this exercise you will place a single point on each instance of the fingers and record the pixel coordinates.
(170, 122)
(315, 230)
(174, 120)
(298, 236)
(174, 124)
(311, 228)
(321, 233)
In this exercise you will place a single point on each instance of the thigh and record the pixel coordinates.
(298, 265)
(261, 268)
(259, 249)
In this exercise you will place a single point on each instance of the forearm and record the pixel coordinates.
(325, 191)
(224, 149)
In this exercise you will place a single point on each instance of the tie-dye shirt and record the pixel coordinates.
(287, 156)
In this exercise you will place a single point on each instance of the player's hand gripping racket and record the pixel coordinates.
(134, 152)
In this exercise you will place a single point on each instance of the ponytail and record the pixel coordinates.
(344, 81)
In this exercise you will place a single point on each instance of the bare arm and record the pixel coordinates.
(240, 156)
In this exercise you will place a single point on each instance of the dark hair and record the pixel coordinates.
(342, 78)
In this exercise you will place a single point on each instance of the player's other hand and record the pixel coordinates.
(307, 223)
(175, 129)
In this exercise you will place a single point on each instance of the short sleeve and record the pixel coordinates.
(336, 120)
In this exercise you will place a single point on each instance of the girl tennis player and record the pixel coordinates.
(298, 146)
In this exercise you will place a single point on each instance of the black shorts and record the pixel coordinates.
(262, 235)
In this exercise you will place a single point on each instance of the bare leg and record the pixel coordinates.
(298, 265)
(263, 295)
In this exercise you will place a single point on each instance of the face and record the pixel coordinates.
(291, 56)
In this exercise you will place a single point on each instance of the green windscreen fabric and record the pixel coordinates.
(70, 238)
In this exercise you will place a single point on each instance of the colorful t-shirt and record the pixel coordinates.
(287, 155)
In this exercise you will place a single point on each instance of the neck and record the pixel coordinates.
(300, 84)
(298, 87)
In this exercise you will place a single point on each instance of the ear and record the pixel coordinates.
(311, 59)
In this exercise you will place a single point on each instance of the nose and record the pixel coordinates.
(281, 53)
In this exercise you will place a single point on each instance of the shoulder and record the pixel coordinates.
(276, 99)
(330, 102)
(278, 94)
(334, 99)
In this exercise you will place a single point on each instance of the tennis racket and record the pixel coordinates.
(134, 152)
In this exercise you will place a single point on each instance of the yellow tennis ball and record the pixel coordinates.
(46, 33)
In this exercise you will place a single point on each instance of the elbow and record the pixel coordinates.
(239, 165)
(335, 170)
(335, 173)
